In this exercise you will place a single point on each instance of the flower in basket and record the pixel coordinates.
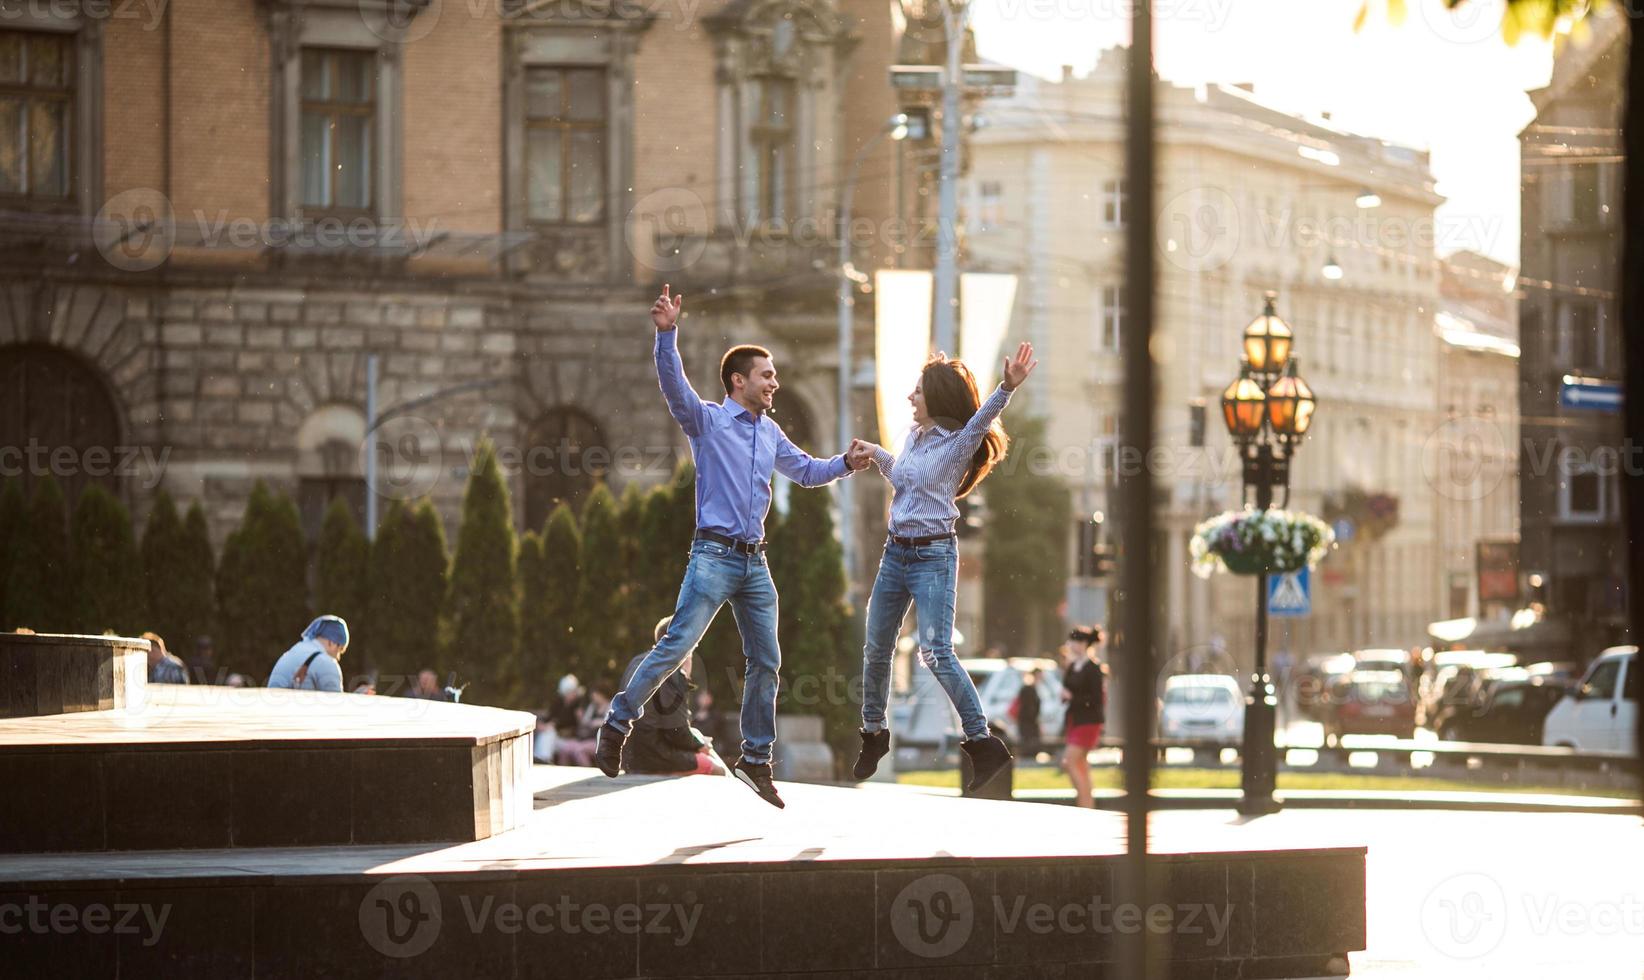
(1252, 542)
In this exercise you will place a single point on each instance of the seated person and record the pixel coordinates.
(662, 741)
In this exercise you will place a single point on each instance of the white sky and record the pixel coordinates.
(1439, 81)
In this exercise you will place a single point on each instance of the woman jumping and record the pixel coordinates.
(953, 444)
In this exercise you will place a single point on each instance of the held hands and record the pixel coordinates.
(1016, 368)
(860, 454)
(665, 311)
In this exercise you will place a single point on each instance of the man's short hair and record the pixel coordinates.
(739, 360)
(661, 628)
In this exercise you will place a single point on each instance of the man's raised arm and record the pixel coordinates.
(683, 402)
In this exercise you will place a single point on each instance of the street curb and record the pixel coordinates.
(1359, 800)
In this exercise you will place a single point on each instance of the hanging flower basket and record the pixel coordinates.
(1251, 542)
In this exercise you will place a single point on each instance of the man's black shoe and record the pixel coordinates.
(608, 750)
(988, 757)
(874, 747)
(758, 779)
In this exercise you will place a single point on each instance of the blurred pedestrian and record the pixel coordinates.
(163, 668)
(1084, 688)
(202, 665)
(663, 741)
(428, 687)
(311, 663)
(1025, 709)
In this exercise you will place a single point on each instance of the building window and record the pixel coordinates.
(51, 399)
(990, 204)
(338, 115)
(565, 144)
(1115, 201)
(1578, 323)
(37, 75)
(1110, 317)
(315, 494)
(1585, 198)
(774, 148)
(1582, 494)
(565, 458)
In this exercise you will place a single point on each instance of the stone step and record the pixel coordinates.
(214, 767)
(53, 674)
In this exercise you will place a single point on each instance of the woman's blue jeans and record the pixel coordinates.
(926, 576)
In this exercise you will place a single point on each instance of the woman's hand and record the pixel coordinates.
(1019, 367)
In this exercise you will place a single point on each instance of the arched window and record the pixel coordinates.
(790, 413)
(328, 465)
(58, 417)
(565, 456)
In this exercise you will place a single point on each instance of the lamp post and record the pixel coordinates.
(1268, 410)
(896, 127)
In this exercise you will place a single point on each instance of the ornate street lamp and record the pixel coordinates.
(1268, 410)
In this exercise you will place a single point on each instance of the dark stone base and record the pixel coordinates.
(53, 674)
(205, 767)
(1230, 915)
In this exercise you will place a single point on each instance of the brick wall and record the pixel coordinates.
(133, 72)
(219, 88)
(453, 120)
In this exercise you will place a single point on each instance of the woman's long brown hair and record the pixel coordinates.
(951, 400)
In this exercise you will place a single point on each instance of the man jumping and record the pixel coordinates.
(736, 446)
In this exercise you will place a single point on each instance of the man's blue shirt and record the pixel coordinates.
(735, 452)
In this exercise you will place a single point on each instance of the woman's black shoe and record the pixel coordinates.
(874, 747)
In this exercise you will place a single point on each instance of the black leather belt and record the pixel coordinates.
(921, 542)
(745, 547)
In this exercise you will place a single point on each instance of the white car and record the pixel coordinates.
(1202, 708)
(1601, 714)
(926, 728)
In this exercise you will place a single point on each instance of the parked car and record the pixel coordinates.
(1203, 709)
(1601, 714)
(1510, 707)
(1451, 677)
(926, 728)
(1370, 702)
(1312, 681)
(1398, 660)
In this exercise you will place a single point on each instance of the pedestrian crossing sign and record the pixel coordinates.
(1289, 594)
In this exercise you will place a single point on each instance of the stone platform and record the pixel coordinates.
(52, 674)
(218, 767)
(695, 876)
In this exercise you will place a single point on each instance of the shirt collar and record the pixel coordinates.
(736, 408)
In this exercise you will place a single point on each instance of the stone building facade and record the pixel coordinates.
(228, 212)
(1251, 199)
(1573, 550)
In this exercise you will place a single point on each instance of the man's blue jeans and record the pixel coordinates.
(717, 574)
(927, 576)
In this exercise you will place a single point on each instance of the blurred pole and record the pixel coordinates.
(1632, 323)
(955, 15)
(1138, 951)
(370, 448)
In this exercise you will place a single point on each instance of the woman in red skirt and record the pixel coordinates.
(1084, 690)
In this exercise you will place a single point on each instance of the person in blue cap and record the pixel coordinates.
(311, 664)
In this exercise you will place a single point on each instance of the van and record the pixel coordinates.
(1601, 714)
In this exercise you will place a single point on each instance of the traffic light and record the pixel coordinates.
(972, 512)
(1095, 557)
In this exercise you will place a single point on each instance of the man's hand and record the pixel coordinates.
(665, 311)
(1016, 368)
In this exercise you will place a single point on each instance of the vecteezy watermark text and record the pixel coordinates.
(38, 459)
(403, 916)
(39, 917)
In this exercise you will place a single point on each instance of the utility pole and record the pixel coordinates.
(956, 14)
